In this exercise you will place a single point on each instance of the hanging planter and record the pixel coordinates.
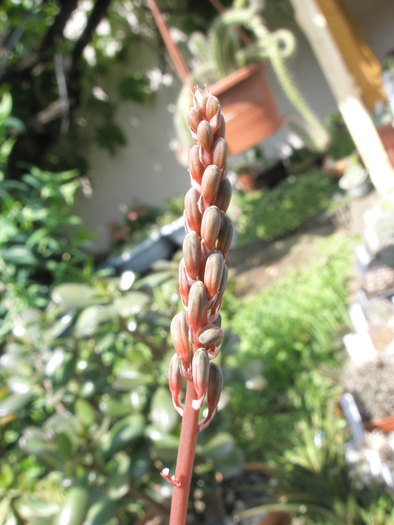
(248, 107)
(234, 73)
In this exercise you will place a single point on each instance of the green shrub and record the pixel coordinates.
(294, 328)
(271, 214)
(40, 240)
(84, 403)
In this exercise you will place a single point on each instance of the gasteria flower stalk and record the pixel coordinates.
(196, 333)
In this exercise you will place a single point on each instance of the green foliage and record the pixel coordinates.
(40, 239)
(315, 483)
(133, 86)
(173, 209)
(342, 143)
(136, 224)
(269, 215)
(109, 137)
(294, 328)
(84, 401)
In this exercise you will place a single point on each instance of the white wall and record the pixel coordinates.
(147, 170)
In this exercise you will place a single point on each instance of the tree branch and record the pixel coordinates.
(99, 10)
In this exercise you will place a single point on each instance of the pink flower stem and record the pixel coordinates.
(185, 460)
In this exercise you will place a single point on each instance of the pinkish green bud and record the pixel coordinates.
(196, 306)
(210, 335)
(215, 386)
(200, 366)
(195, 166)
(210, 226)
(192, 253)
(194, 118)
(213, 273)
(225, 236)
(204, 135)
(212, 107)
(192, 211)
(223, 196)
(199, 100)
(180, 340)
(175, 377)
(184, 287)
(220, 153)
(221, 130)
(222, 287)
(210, 183)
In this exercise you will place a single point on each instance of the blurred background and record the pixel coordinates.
(93, 171)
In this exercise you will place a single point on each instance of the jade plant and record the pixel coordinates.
(197, 334)
(221, 52)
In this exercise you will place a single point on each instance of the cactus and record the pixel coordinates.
(220, 53)
(197, 334)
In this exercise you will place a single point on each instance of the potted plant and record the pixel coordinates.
(372, 387)
(235, 75)
(355, 181)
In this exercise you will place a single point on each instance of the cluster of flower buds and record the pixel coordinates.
(197, 334)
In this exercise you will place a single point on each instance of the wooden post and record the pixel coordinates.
(355, 114)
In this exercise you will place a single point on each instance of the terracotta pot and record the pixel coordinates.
(386, 134)
(386, 424)
(248, 107)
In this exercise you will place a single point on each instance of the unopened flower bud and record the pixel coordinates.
(196, 306)
(192, 253)
(213, 273)
(199, 100)
(210, 334)
(194, 118)
(225, 236)
(192, 211)
(221, 130)
(200, 366)
(204, 135)
(205, 156)
(215, 123)
(210, 183)
(220, 152)
(210, 226)
(180, 338)
(175, 377)
(215, 386)
(222, 287)
(223, 196)
(184, 287)
(212, 107)
(195, 166)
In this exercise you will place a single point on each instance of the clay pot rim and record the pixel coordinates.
(234, 78)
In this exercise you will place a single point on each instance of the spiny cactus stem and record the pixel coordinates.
(185, 460)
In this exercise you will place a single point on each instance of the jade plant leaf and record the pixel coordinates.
(123, 433)
(14, 403)
(101, 512)
(75, 295)
(219, 447)
(131, 303)
(74, 508)
(90, 319)
(162, 411)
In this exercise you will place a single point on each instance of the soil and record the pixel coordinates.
(259, 264)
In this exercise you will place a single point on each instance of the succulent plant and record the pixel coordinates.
(221, 53)
(197, 334)
(372, 387)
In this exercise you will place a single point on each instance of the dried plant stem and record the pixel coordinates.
(185, 460)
